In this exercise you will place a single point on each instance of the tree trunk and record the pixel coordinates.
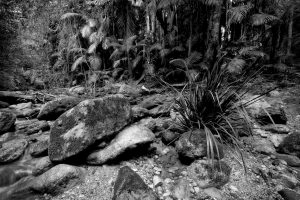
(290, 32)
(213, 33)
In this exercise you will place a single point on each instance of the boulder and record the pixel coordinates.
(40, 146)
(139, 112)
(169, 137)
(58, 179)
(90, 121)
(29, 127)
(158, 105)
(130, 186)
(260, 145)
(262, 110)
(277, 128)
(291, 160)
(7, 121)
(77, 90)
(276, 139)
(291, 144)
(192, 145)
(42, 165)
(127, 139)
(53, 109)
(288, 194)
(12, 150)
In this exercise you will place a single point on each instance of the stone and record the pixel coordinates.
(13, 173)
(291, 144)
(25, 110)
(3, 104)
(42, 165)
(15, 97)
(53, 109)
(90, 121)
(7, 121)
(130, 186)
(289, 181)
(12, 150)
(29, 127)
(169, 137)
(193, 145)
(127, 139)
(262, 110)
(181, 190)
(288, 194)
(261, 145)
(78, 90)
(157, 181)
(58, 179)
(139, 112)
(40, 146)
(155, 100)
(291, 160)
(130, 90)
(206, 175)
(277, 128)
(276, 139)
(214, 193)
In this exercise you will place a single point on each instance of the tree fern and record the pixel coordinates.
(236, 65)
(237, 14)
(81, 60)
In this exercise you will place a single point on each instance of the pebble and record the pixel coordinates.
(157, 181)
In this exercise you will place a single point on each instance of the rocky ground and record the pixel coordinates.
(125, 143)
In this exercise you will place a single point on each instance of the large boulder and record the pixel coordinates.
(29, 127)
(25, 110)
(130, 186)
(128, 138)
(15, 97)
(291, 144)
(53, 109)
(193, 145)
(7, 121)
(42, 165)
(90, 121)
(288, 194)
(12, 150)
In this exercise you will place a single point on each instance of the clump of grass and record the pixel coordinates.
(214, 105)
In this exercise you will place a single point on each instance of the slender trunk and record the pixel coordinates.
(147, 22)
(191, 36)
(290, 32)
(213, 44)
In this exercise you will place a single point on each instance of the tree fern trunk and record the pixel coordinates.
(290, 31)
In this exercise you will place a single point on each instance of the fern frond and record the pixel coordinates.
(179, 63)
(236, 65)
(261, 19)
(81, 60)
(237, 14)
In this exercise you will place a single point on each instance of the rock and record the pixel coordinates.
(90, 121)
(53, 109)
(78, 90)
(15, 97)
(157, 181)
(130, 90)
(127, 139)
(291, 144)
(216, 175)
(169, 137)
(276, 139)
(7, 121)
(139, 112)
(40, 147)
(130, 186)
(288, 194)
(58, 179)
(3, 104)
(29, 127)
(155, 100)
(288, 181)
(261, 110)
(13, 173)
(12, 150)
(261, 145)
(192, 145)
(214, 193)
(181, 190)
(277, 128)
(25, 110)
(42, 165)
(291, 160)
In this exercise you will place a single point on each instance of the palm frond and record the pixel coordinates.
(179, 63)
(81, 60)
